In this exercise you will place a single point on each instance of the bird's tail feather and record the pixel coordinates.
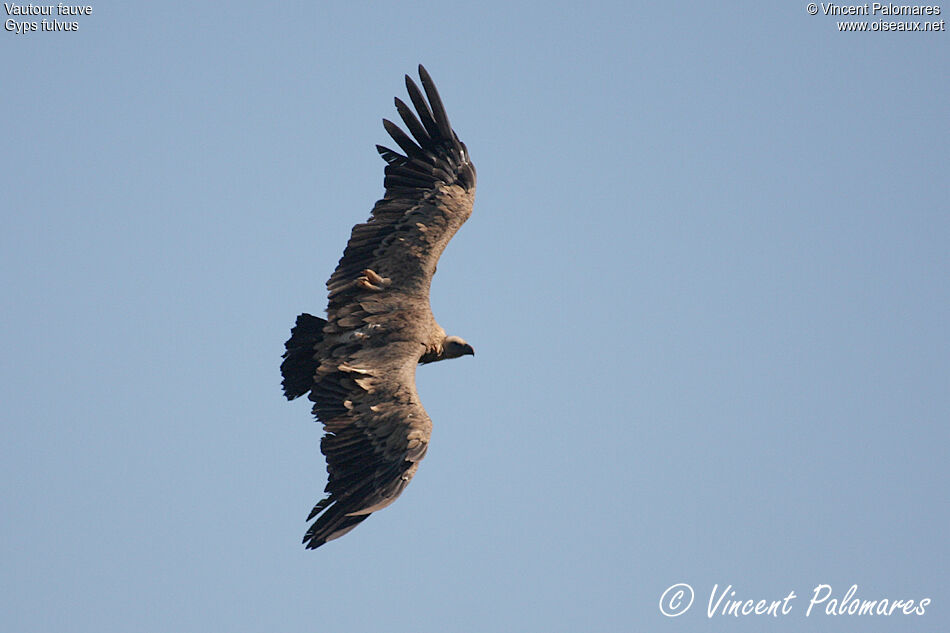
(299, 364)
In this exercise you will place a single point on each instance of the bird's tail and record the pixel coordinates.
(300, 366)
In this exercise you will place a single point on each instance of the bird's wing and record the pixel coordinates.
(379, 320)
(376, 433)
(429, 194)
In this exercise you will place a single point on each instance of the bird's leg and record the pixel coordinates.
(372, 281)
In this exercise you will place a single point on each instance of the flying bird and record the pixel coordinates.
(359, 364)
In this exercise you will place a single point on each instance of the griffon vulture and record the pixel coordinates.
(359, 364)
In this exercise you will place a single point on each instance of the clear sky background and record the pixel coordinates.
(706, 279)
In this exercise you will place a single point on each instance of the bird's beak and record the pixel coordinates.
(468, 351)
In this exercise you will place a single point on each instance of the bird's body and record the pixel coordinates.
(359, 364)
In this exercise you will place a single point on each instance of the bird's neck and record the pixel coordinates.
(432, 354)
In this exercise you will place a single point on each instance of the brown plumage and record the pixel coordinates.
(359, 364)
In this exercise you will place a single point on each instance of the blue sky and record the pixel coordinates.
(706, 279)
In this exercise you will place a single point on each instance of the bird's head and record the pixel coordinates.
(453, 347)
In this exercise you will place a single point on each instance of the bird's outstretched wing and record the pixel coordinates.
(429, 195)
(359, 365)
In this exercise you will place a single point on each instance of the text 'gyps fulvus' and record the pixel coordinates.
(359, 364)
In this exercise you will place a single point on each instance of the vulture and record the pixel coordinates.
(358, 365)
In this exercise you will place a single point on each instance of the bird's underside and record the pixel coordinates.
(358, 365)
